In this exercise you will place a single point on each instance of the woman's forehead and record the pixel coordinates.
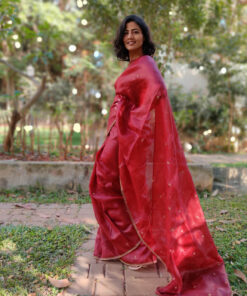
(132, 25)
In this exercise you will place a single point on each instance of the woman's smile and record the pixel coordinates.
(133, 39)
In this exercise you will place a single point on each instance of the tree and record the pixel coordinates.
(221, 56)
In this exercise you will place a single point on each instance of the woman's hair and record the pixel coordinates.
(148, 46)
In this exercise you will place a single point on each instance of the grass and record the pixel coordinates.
(39, 195)
(29, 254)
(25, 267)
(230, 165)
(228, 229)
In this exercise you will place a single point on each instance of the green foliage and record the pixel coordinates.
(8, 17)
(30, 254)
(39, 195)
(228, 231)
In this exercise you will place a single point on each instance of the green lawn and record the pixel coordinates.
(229, 230)
(226, 215)
(230, 165)
(28, 255)
(39, 195)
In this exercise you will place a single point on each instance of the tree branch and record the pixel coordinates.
(19, 71)
(35, 97)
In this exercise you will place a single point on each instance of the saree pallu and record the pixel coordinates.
(142, 192)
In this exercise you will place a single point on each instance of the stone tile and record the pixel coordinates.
(89, 245)
(4, 216)
(114, 271)
(86, 257)
(149, 271)
(80, 268)
(7, 205)
(162, 270)
(144, 286)
(87, 206)
(96, 270)
(82, 287)
(109, 287)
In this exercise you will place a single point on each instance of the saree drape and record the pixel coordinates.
(142, 192)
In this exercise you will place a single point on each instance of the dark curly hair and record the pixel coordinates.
(148, 47)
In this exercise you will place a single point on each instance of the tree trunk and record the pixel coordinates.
(8, 142)
(17, 115)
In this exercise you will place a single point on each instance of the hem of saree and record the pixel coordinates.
(119, 256)
(139, 264)
(132, 220)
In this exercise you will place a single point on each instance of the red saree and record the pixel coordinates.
(143, 194)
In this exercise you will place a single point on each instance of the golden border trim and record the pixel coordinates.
(119, 256)
(132, 220)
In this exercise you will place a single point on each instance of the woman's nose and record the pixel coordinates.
(130, 35)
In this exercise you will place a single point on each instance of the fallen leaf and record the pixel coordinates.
(240, 275)
(29, 250)
(210, 220)
(21, 196)
(215, 192)
(223, 212)
(221, 198)
(243, 240)
(27, 207)
(32, 294)
(43, 215)
(220, 229)
(71, 191)
(226, 221)
(59, 283)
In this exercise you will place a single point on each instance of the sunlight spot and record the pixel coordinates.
(7, 246)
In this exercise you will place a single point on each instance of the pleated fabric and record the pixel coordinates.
(142, 192)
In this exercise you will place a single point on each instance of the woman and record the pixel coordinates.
(142, 191)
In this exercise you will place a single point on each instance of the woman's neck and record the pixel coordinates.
(134, 55)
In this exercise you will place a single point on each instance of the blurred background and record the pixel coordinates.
(58, 68)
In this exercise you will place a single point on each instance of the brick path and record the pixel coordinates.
(91, 277)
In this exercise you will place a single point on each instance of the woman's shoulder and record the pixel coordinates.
(149, 68)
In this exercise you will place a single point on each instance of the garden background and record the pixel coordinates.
(57, 71)
(57, 74)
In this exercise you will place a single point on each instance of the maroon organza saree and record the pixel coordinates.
(143, 194)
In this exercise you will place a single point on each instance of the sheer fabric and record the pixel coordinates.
(142, 192)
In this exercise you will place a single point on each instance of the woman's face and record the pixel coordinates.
(133, 37)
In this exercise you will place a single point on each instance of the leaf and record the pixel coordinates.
(226, 221)
(210, 220)
(215, 192)
(27, 207)
(223, 212)
(240, 275)
(220, 229)
(43, 215)
(59, 283)
(243, 240)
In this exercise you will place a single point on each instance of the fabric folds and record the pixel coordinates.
(146, 182)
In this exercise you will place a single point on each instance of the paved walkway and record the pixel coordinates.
(91, 277)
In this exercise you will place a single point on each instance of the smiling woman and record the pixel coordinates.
(133, 40)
